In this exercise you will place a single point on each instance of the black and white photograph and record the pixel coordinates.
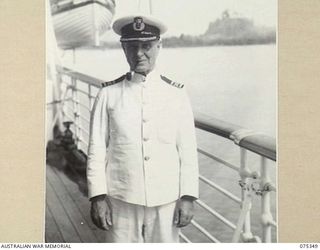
(161, 121)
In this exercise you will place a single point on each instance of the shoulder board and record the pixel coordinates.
(106, 84)
(172, 83)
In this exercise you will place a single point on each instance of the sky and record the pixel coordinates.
(193, 16)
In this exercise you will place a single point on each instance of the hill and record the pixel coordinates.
(227, 30)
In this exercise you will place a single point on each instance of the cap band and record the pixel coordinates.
(143, 39)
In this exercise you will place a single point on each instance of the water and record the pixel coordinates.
(237, 84)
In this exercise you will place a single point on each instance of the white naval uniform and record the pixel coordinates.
(141, 224)
(142, 146)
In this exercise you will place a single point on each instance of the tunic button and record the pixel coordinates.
(145, 120)
(146, 139)
(146, 158)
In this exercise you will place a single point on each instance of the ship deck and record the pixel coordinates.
(68, 209)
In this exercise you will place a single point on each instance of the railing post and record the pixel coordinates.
(76, 110)
(244, 173)
(63, 95)
(89, 96)
(266, 216)
(60, 106)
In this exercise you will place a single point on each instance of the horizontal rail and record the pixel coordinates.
(81, 91)
(79, 76)
(78, 138)
(261, 144)
(220, 189)
(67, 115)
(184, 238)
(70, 109)
(216, 214)
(85, 142)
(82, 129)
(85, 119)
(75, 113)
(258, 143)
(218, 160)
(81, 104)
(67, 83)
(205, 232)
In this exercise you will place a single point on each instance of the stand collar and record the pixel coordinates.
(137, 77)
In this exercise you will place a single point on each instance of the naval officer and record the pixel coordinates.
(142, 159)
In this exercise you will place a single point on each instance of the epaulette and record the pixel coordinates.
(106, 84)
(175, 84)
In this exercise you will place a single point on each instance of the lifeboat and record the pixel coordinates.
(80, 23)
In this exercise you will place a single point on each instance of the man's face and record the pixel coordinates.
(141, 56)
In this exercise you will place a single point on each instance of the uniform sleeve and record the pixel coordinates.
(187, 148)
(97, 149)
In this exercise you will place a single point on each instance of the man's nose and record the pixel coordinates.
(140, 52)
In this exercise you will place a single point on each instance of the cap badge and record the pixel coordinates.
(138, 24)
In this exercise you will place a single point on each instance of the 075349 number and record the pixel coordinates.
(308, 245)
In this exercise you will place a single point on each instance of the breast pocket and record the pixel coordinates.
(124, 126)
(167, 126)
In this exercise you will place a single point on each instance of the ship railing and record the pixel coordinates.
(77, 93)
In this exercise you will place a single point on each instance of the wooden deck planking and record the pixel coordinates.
(52, 232)
(78, 221)
(62, 219)
(82, 202)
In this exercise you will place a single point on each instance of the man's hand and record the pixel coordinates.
(101, 212)
(183, 213)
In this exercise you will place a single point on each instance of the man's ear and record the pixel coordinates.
(160, 43)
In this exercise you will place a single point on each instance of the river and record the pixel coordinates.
(233, 83)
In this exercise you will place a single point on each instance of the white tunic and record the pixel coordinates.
(142, 146)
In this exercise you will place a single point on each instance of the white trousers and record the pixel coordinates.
(138, 224)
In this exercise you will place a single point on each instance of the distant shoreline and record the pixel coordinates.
(216, 44)
(185, 41)
(118, 46)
